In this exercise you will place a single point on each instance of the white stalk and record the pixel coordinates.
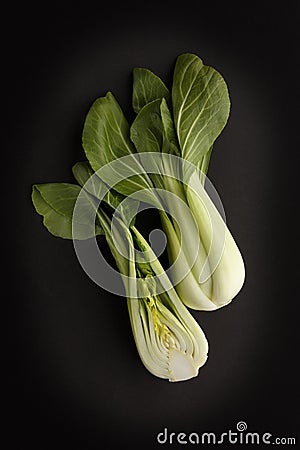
(189, 289)
(226, 260)
(170, 342)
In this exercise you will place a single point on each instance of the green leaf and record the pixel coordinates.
(82, 172)
(147, 87)
(106, 139)
(167, 122)
(200, 104)
(60, 196)
(146, 132)
(153, 129)
(106, 132)
(170, 144)
(55, 202)
(85, 176)
(57, 224)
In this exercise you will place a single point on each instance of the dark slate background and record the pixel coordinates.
(74, 377)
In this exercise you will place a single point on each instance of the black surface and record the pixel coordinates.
(75, 380)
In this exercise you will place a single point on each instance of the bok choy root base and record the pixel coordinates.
(161, 160)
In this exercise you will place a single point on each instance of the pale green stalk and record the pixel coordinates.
(170, 342)
(217, 273)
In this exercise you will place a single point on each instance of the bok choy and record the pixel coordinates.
(184, 123)
(162, 160)
(170, 342)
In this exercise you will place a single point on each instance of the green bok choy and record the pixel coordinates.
(161, 159)
(183, 123)
(170, 342)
